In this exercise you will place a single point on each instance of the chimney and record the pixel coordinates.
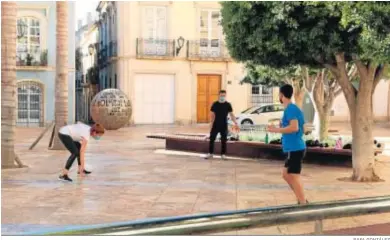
(89, 18)
(79, 24)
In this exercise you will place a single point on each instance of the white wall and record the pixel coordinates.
(380, 102)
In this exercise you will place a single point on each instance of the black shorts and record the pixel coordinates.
(293, 161)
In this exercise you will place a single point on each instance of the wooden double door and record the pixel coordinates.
(208, 91)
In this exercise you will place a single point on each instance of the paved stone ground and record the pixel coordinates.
(130, 181)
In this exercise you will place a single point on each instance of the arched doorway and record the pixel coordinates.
(30, 104)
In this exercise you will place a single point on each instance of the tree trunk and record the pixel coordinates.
(362, 147)
(8, 84)
(298, 97)
(360, 108)
(316, 120)
(324, 118)
(388, 104)
(61, 86)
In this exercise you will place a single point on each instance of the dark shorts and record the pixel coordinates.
(293, 161)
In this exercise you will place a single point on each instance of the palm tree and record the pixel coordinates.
(8, 84)
(61, 85)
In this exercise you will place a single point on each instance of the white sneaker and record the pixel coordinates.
(208, 156)
(223, 157)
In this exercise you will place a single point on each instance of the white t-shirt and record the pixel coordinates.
(76, 131)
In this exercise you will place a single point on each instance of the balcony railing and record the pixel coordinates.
(205, 49)
(102, 57)
(155, 48)
(112, 49)
(25, 58)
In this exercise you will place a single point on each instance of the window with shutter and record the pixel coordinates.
(210, 33)
(155, 31)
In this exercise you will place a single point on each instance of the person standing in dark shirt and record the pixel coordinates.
(219, 112)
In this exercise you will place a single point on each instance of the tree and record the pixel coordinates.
(61, 89)
(274, 77)
(318, 83)
(8, 84)
(320, 34)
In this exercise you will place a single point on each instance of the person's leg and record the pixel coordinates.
(284, 172)
(213, 135)
(292, 175)
(81, 165)
(69, 144)
(223, 133)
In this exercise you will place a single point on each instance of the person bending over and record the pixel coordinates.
(75, 138)
(292, 142)
(219, 112)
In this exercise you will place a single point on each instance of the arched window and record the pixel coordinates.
(28, 41)
(30, 104)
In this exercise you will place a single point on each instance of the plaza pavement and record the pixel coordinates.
(130, 181)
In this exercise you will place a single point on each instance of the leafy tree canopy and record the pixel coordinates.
(281, 34)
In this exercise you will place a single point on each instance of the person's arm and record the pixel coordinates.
(212, 115)
(231, 114)
(83, 143)
(292, 126)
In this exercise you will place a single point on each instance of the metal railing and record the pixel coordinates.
(235, 220)
(26, 58)
(112, 49)
(102, 56)
(261, 99)
(155, 48)
(205, 49)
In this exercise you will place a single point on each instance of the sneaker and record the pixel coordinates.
(85, 172)
(223, 157)
(208, 156)
(65, 178)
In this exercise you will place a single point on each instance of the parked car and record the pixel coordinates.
(260, 115)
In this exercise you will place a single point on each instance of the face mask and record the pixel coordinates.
(96, 137)
(222, 99)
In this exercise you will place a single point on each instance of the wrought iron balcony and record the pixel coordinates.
(102, 57)
(155, 48)
(29, 58)
(112, 49)
(210, 50)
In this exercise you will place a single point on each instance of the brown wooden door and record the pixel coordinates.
(208, 91)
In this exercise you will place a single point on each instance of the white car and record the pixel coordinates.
(260, 115)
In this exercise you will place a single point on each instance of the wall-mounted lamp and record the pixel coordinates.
(90, 49)
(180, 44)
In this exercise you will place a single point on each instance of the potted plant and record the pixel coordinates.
(29, 59)
(43, 58)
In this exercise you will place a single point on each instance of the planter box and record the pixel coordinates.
(322, 156)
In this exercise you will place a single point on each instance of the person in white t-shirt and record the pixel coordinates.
(75, 138)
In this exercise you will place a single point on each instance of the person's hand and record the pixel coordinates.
(236, 127)
(272, 129)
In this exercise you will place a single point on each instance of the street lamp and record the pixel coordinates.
(180, 44)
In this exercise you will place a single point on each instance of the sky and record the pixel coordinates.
(83, 7)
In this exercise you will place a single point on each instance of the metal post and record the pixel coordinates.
(318, 227)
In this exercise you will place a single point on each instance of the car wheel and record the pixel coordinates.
(247, 122)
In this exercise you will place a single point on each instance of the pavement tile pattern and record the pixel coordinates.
(130, 181)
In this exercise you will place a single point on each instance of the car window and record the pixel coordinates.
(250, 110)
(268, 109)
(278, 108)
(258, 111)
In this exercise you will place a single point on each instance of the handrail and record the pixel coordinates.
(229, 220)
